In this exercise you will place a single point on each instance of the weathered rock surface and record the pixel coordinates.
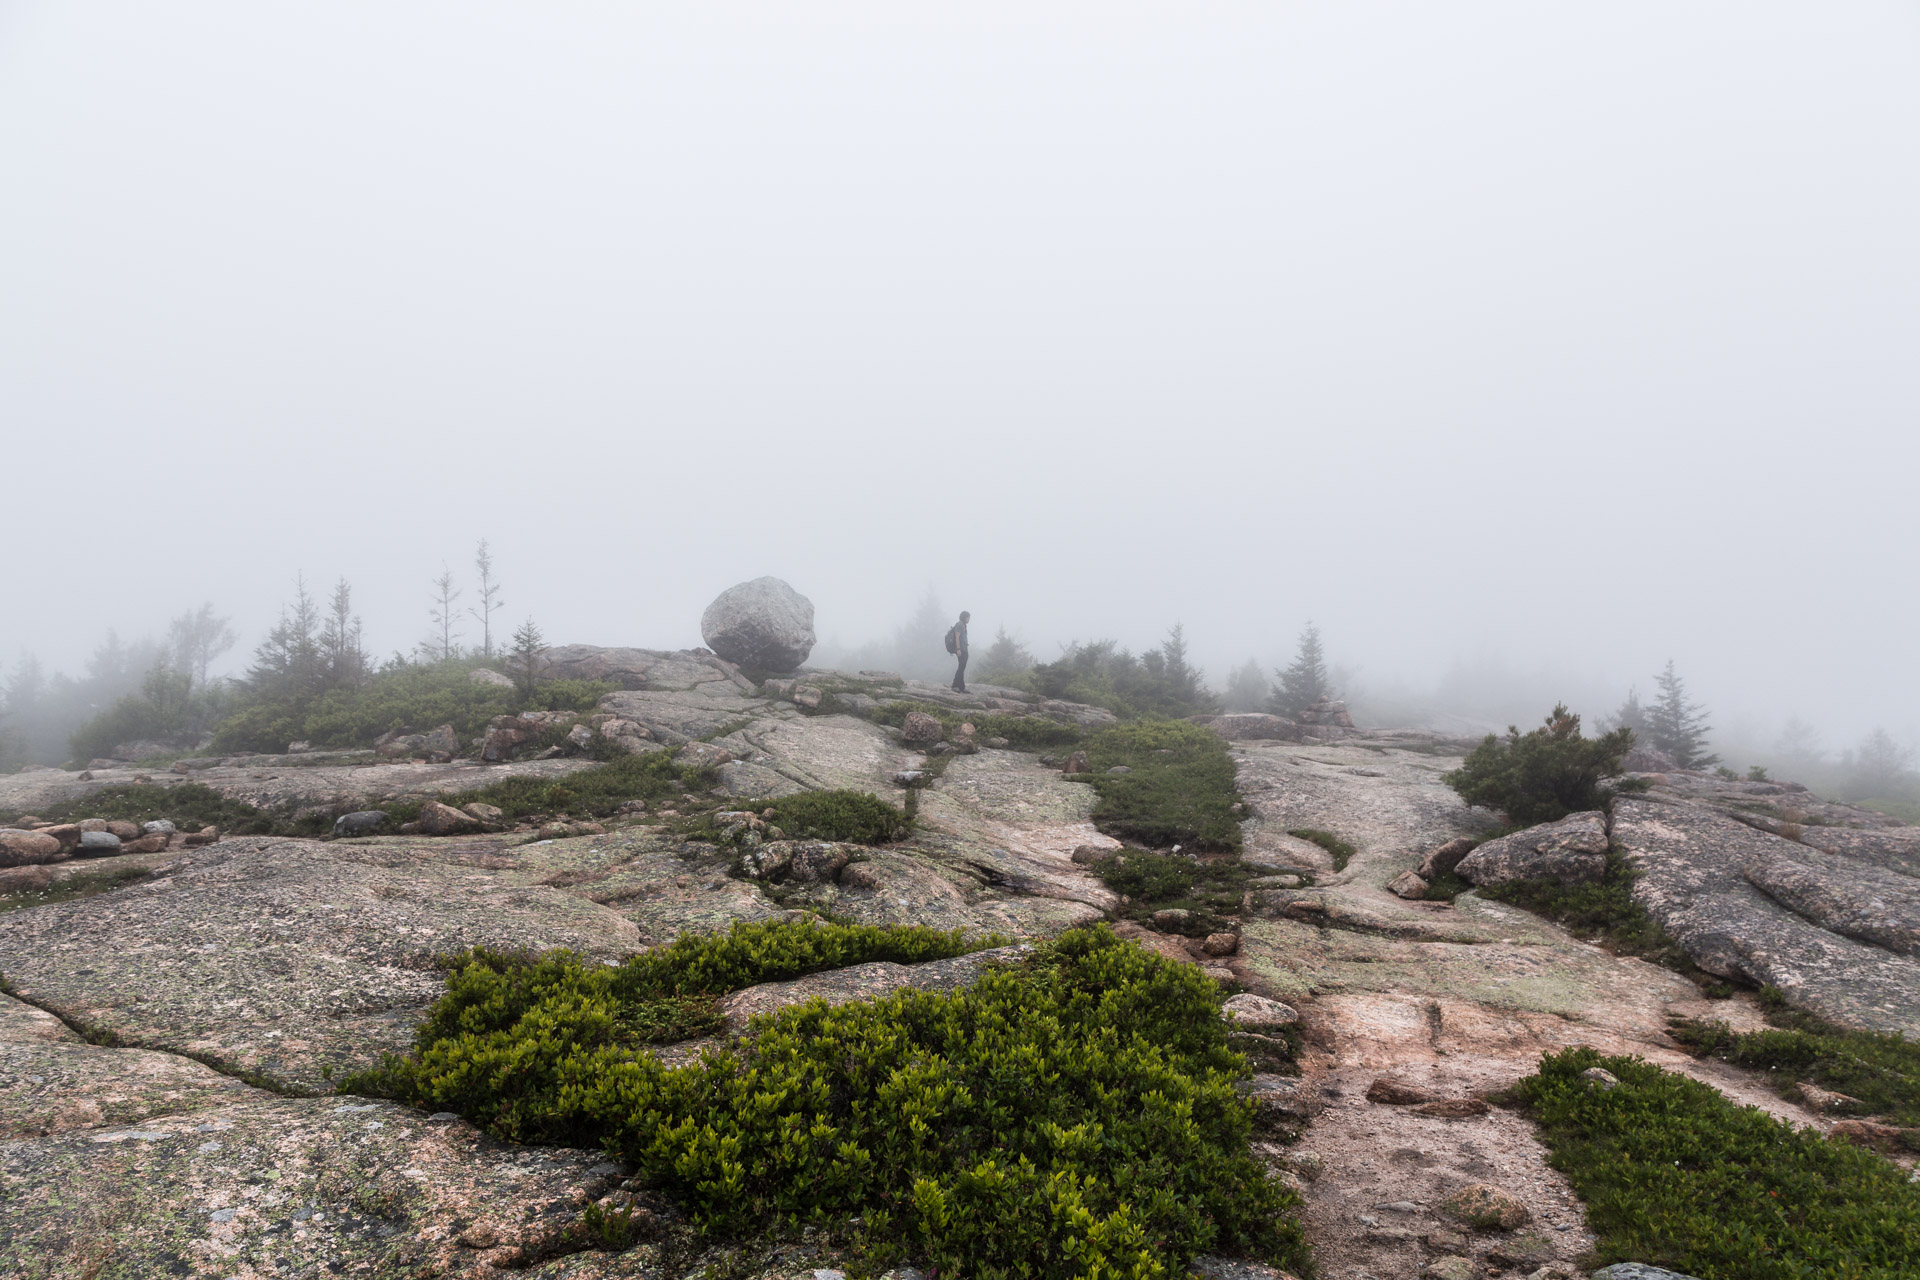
(1702, 877)
(276, 781)
(290, 958)
(133, 1162)
(764, 625)
(1571, 851)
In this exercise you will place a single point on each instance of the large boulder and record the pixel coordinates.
(1571, 851)
(26, 848)
(764, 625)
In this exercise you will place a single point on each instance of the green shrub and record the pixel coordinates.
(1341, 852)
(857, 817)
(1180, 791)
(1072, 1115)
(1027, 733)
(409, 696)
(1156, 881)
(597, 792)
(1879, 1069)
(1542, 775)
(1674, 1174)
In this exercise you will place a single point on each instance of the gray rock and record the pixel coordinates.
(1638, 1271)
(764, 625)
(158, 827)
(1571, 851)
(1444, 859)
(580, 737)
(1693, 879)
(437, 819)
(98, 844)
(443, 741)
(1249, 1012)
(921, 730)
(489, 677)
(1120, 768)
(1408, 885)
(1862, 901)
(1279, 1098)
(363, 823)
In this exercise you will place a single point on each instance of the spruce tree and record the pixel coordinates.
(528, 644)
(1306, 681)
(1676, 726)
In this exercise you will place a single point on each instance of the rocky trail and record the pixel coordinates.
(169, 1041)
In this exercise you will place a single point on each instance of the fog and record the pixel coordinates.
(1520, 348)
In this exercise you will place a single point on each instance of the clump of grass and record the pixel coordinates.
(1180, 790)
(1879, 1069)
(1025, 733)
(1674, 1174)
(856, 817)
(1071, 1115)
(189, 805)
(1152, 882)
(1341, 851)
(1604, 912)
(597, 792)
(1446, 886)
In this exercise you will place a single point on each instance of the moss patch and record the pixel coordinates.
(1074, 1115)
(1152, 882)
(1179, 788)
(1674, 1174)
(1339, 850)
(856, 817)
(1025, 733)
(1881, 1070)
(1603, 912)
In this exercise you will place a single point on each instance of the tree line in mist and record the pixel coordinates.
(163, 691)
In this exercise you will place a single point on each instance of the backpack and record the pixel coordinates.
(953, 638)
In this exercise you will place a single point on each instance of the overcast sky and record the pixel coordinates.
(1508, 336)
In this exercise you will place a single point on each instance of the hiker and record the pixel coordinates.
(957, 646)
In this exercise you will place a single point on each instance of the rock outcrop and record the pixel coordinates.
(1571, 851)
(1834, 931)
(764, 625)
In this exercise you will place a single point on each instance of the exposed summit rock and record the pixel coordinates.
(765, 625)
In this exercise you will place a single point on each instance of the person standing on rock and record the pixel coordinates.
(957, 646)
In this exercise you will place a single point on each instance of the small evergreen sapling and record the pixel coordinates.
(1542, 775)
(528, 645)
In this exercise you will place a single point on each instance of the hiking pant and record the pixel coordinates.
(960, 676)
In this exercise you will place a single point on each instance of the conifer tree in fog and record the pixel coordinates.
(1678, 726)
(1305, 681)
